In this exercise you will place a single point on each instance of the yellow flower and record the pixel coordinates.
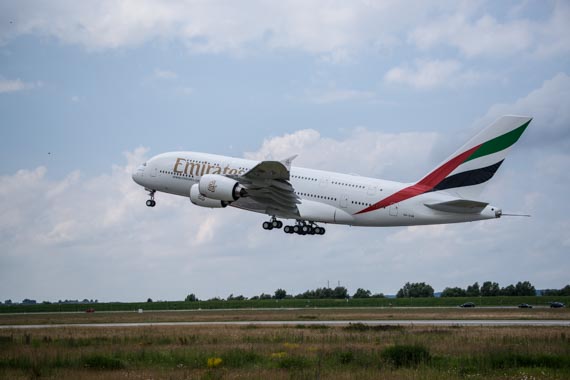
(291, 345)
(278, 355)
(214, 362)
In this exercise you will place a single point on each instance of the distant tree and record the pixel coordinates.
(280, 294)
(191, 298)
(149, 300)
(378, 295)
(215, 299)
(8, 302)
(453, 292)
(231, 297)
(473, 290)
(264, 296)
(565, 291)
(525, 288)
(46, 302)
(362, 293)
(340, 292)
(27, 301)
(415, 290)
(254, 298)
(509, 290)
(490, 289)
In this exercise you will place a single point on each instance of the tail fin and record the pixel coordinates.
(468, 170)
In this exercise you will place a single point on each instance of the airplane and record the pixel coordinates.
(447, 194)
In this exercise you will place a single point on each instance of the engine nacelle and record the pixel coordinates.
(202, 201)
(222, 188)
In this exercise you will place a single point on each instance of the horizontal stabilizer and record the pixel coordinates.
(460, 206)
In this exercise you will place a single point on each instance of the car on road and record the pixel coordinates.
(556, 305)
(467, 304)
(525, 306)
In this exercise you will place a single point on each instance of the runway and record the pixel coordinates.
(402, 322)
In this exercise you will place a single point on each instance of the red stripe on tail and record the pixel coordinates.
(425, 184)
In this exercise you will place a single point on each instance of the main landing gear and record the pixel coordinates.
(300, 228)
(151, 202)
(273, 223)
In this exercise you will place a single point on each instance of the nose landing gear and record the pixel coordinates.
(151, 202)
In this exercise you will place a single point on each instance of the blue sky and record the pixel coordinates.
(90, 89)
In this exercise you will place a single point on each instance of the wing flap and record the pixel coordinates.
(268, 170)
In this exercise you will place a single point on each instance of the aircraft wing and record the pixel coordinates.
(269, 190)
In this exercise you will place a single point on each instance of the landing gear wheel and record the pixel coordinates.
(276, 224)
(150, 202)
(296, 229)
(267, 226)
(288, 230)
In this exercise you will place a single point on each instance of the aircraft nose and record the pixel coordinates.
(138, 174)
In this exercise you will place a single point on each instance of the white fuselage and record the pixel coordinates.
(326, 197)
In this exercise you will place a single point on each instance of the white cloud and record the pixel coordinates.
(335, 30)
(362, 152)
(15, 85)
(548, 105)
(165, 74)
(428, 74)
(483, 35)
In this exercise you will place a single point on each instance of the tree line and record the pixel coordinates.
(409, 290)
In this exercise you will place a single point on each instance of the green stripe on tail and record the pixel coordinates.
(499, 143)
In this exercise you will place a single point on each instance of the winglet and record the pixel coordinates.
(287, 162)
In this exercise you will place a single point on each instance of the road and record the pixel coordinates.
(403, 322)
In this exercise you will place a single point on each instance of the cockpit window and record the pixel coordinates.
(144, 164)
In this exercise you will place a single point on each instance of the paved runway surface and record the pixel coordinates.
(443, 322)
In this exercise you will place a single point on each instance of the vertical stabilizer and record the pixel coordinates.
(469, 169)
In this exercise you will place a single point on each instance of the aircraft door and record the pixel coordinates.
(394, 209)
(153, 172)
(343, 201)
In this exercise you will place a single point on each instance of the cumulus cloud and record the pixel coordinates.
(427, 74)
(387, 154)
(335, 30)
(483, 35)
(15, 85)
(548, 105)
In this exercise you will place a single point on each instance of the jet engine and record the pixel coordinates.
(221, 188)
(200, 200)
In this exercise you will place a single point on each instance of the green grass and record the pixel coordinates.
(354, 351)
(286, 303)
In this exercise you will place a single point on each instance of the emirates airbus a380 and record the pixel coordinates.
(448, 194)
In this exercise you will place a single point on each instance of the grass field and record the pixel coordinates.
(286, 303)
(294, 352)
(299, 351)
(314, 314)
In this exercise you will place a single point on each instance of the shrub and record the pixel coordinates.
(406, 355)
(103, 362)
